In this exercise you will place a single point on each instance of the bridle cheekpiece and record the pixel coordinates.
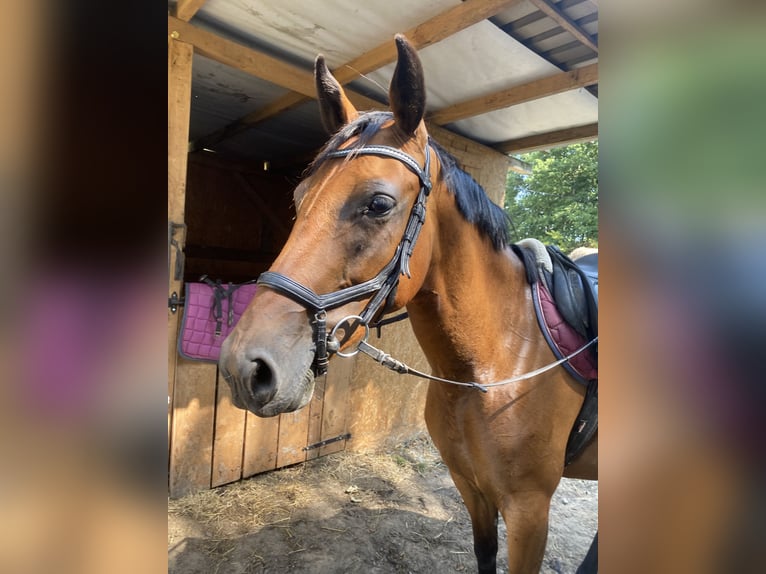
(383, 285)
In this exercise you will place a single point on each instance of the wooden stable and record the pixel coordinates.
(229, 220)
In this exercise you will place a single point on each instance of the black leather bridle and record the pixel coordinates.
(383, 285)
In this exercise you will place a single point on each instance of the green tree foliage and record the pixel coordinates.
(558, 202)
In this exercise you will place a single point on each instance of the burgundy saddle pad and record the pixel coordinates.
(211, 310)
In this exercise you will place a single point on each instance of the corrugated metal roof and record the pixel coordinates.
(519, 44)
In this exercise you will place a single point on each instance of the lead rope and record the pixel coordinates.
(389, 362)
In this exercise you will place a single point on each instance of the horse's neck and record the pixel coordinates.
(474, 304)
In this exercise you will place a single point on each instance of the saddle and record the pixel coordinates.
(575, 290)
(211, 311)
(565, 295)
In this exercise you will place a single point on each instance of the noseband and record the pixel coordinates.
(383, 284)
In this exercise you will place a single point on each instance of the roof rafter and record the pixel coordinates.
(555, 84)
(429, 32)
(242, 58)
(186, 9)
(565, 22)
(559, 30)
(549, 139)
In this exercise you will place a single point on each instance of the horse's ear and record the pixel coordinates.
(335, 108)
(407, 92)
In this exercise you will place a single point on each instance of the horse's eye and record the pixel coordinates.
(379, 205)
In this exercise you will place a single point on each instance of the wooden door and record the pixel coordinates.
(215, 443)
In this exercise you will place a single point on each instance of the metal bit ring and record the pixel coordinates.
(349, 320)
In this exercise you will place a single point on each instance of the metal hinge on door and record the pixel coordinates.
(174, 301)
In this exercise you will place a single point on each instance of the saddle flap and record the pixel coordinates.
(575, 290)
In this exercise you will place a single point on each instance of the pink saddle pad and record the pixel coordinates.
(211, 311)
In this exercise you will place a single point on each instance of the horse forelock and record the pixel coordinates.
(363, 129)
(471, 199)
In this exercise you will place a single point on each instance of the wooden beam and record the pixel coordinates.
(555, 84)
(186, 9)
(179, 109)
(243, 58)
(565, 22)
(429, 32)
(519, 166)
(423, 35)
(550, 33)
(548, 140)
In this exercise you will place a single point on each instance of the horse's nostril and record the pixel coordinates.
(262, 375)
(262, 382)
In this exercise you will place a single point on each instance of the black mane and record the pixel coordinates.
(472, 201)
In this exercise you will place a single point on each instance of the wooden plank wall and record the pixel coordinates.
(336, 415)
(261, 436)
(228, 437)
(214, 443)
(191, 444)
(386, 407)
(233, 219)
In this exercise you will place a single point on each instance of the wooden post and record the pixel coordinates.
(179, 108)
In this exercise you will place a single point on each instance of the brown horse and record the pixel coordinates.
(386, 219)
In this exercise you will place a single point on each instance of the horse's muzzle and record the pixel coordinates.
(261, 385)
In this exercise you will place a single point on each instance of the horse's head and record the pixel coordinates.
(360, 212)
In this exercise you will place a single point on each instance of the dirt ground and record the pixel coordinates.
(356, 513)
